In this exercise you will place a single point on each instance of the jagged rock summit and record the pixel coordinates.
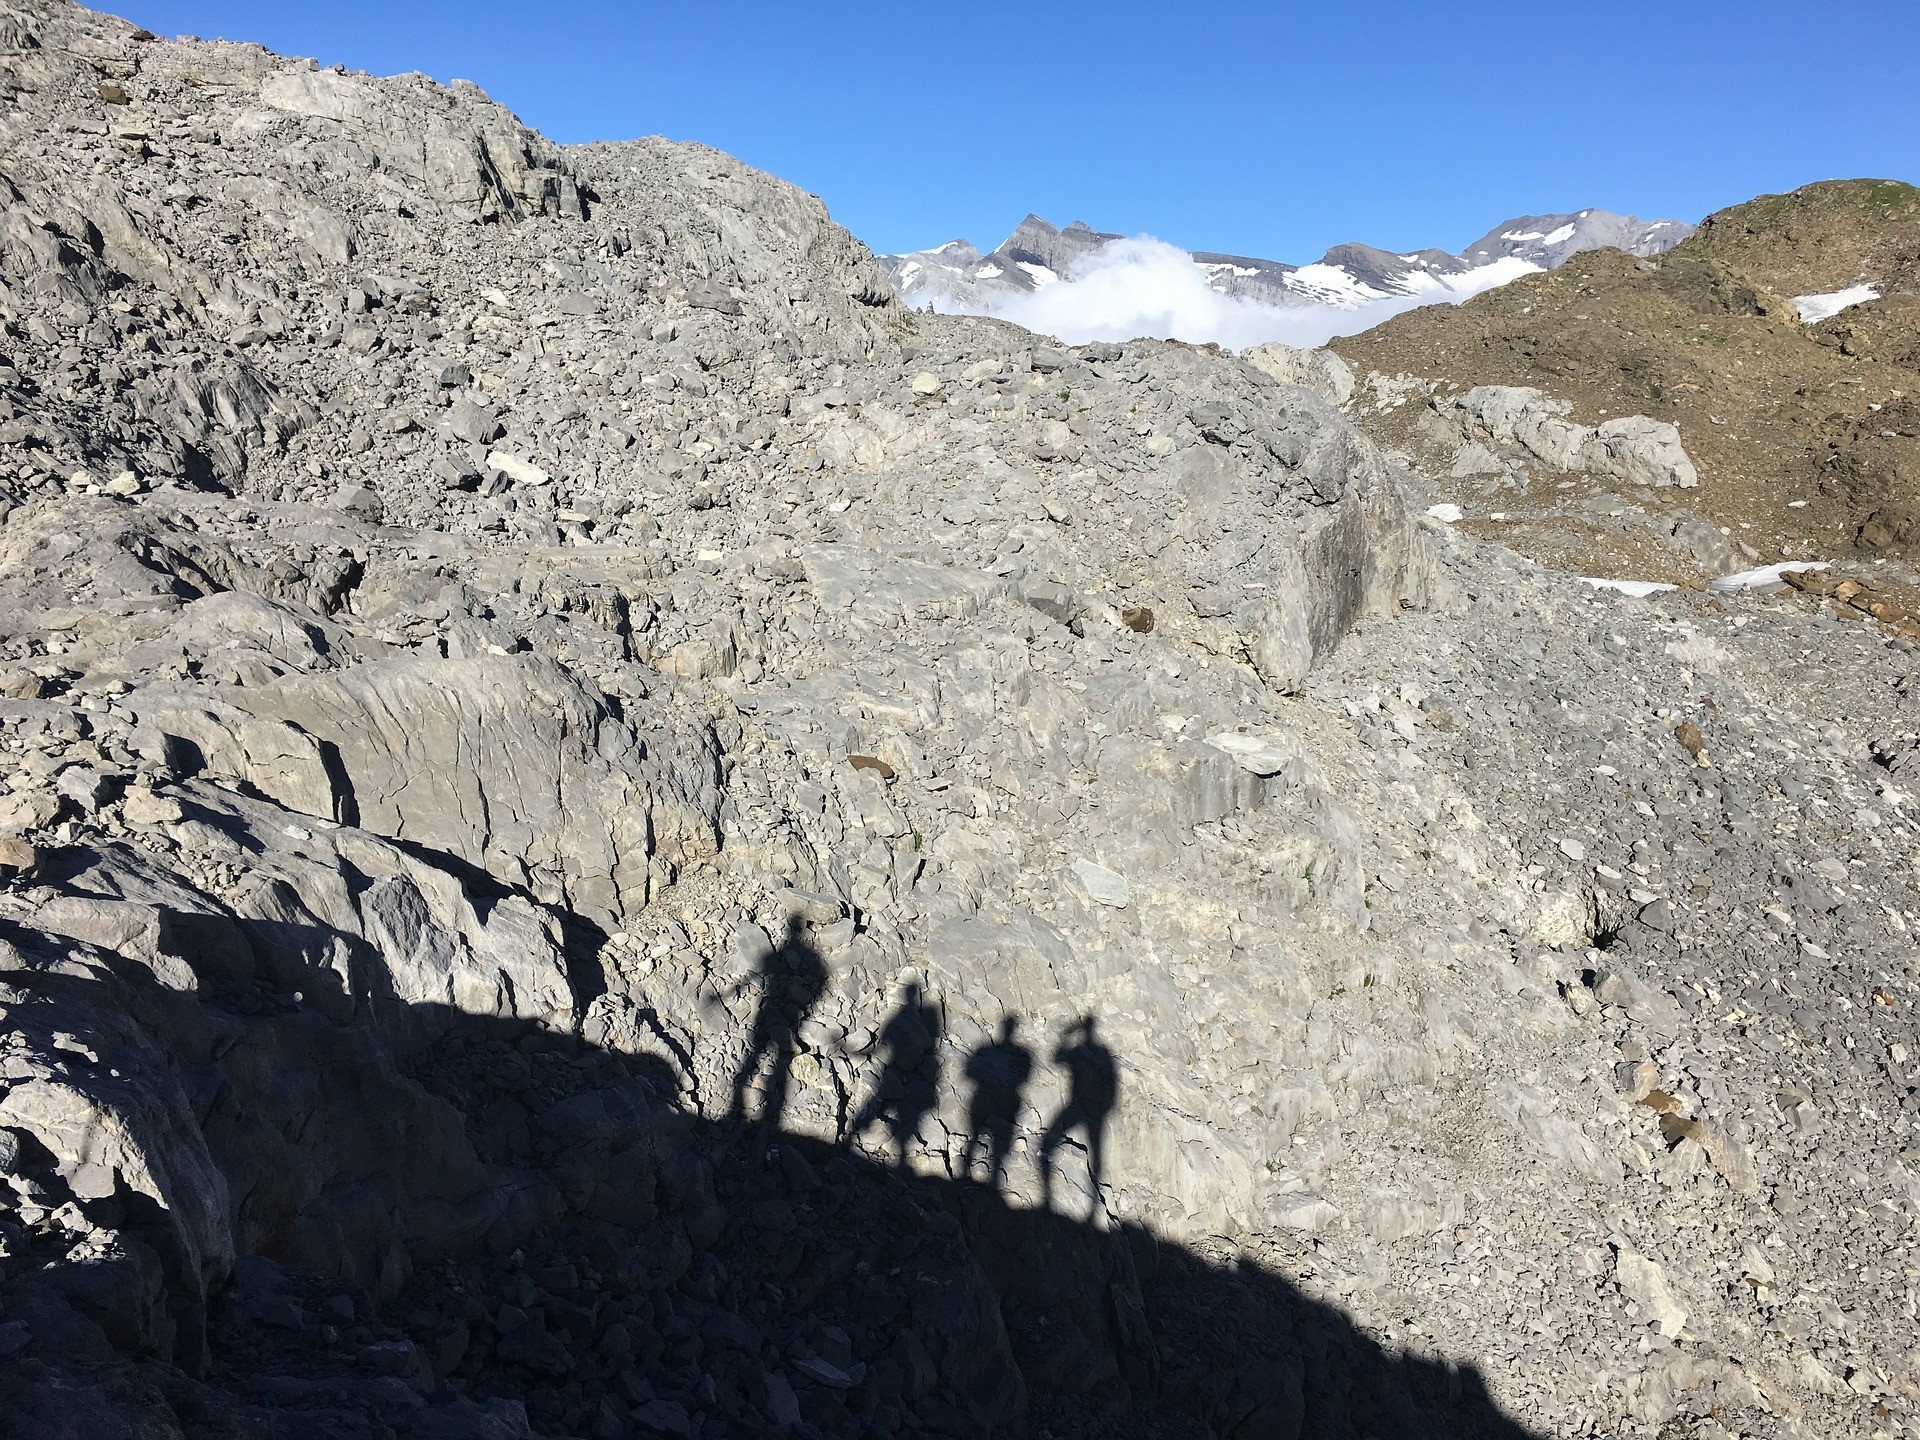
(1036, 254)
(607, 833)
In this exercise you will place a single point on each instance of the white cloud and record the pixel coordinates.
(1146, 287)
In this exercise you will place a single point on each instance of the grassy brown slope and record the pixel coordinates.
(1816, 239)
(1706, 337)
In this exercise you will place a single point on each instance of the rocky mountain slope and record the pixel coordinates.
(608, 833)
(957, 276)
(1782, 341)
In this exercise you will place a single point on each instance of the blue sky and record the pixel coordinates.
(1269, 129)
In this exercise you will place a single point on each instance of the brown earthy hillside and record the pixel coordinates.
(1804, 434)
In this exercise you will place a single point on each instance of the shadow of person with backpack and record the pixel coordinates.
(999, 1072)
(1093, 1084)
(908, 1087)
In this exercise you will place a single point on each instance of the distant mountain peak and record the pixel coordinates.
(1039, 253)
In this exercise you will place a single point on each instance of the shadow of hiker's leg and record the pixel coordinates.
(773, 1102)
(742, 1082)
(1050, 1142)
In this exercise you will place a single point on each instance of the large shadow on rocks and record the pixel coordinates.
(582, 1257)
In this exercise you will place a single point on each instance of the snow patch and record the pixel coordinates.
(1505, 270)
(1763, 578)
(1332, 284)
(1815, 308)
(1766, 577)
(1446, 514)
(1638, 589)
(1565, 232)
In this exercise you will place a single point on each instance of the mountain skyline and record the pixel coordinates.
(1080, 284)
(1037, 253)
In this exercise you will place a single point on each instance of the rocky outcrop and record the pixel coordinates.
(1320, 371)
(453, 150)
(506, 763)
(1632, 449)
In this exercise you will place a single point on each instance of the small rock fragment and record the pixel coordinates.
(142, 807)
(1644, 1283)
(1688, 734)
(518, 468)
(1109, 887)
(17, 857)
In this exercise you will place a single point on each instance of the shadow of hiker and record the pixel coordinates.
(908, 1087)
(999, 1072)
(1093, 1083)
(792, 978)
(629, 1266)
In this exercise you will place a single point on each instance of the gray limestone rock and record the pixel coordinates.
(1320, 371)
(1632, 449)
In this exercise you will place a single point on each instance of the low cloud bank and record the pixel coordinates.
(1146, 287)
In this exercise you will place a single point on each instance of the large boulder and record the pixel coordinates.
(505, 763)
(1632, 449)
(1320, 371)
